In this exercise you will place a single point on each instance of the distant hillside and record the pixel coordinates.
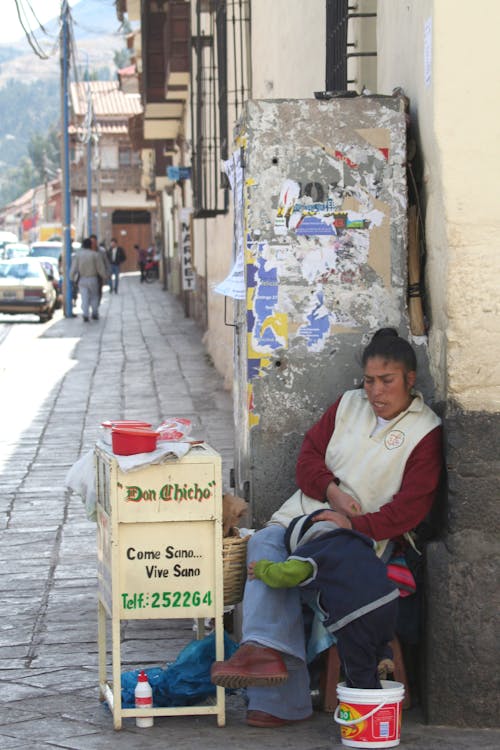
(25, 68)
(97, 35)
(30, 87)
(7, 52)
(39, 104)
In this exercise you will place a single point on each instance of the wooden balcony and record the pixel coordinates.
(124, 178)
(177, 43)
(166, 54)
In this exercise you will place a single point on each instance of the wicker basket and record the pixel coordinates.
(234, 562)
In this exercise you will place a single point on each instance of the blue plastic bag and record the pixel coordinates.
(184, 682)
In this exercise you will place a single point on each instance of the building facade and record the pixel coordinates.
(36, 214)
(198, 64)
(119, 207)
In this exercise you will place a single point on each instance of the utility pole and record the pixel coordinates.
(89, 185)
(46, 188)
(88, 135)
(64, 54)
(98, 164)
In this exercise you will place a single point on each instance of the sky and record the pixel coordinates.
(10, 28)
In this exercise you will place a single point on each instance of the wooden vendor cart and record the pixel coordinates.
(159, 541)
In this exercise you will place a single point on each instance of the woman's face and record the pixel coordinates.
(388, 386)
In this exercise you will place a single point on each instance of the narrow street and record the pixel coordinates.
(58, 381)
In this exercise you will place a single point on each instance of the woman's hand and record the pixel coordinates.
(342, 502)
(250, 573)
(333, 517)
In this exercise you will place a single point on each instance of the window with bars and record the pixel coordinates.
(220, 76)
(127, 157)
(346, 25)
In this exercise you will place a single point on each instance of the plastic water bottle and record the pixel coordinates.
(143, 699)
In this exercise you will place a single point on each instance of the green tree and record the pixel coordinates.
(45, 154)
(27, 175)
(121, 58)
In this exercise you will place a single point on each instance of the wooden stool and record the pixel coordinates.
(331, 676)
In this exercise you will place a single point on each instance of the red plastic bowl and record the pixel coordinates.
(108, 425)
(129, 440)
(125, 423)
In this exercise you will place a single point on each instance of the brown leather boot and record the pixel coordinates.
(268, 721)
(251, 665)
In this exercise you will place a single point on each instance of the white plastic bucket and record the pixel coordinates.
(370, 718)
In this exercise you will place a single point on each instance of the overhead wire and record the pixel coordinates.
(41, 26)
(23, 17)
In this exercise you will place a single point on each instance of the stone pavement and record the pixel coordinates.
(142, 359)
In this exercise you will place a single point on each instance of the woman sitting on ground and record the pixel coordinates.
(372, 463)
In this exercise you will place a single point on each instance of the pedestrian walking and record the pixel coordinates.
(102, 250)
(142, 259)
(88, 269)
(116, 256)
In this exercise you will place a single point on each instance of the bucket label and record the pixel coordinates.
(384, 723)
(348, 712)
(381, 726)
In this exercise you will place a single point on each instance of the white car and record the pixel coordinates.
(15, 250)
(52, 266)
(48, 249)
(6, 237)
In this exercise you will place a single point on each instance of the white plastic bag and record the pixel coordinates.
(176, 428)
(81, 479)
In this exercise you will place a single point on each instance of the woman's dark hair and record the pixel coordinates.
(387, 345)
(87, 244)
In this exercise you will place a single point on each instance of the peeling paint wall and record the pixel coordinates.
(325, 261)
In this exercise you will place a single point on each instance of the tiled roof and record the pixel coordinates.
(107, 100)
(106, 127)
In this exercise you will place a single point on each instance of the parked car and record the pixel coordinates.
(48, 249)
(51, 265)
(51, 249)
(6, 237)
(15, 250)
(26, 287)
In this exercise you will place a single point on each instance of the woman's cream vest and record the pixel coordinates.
(368, 467)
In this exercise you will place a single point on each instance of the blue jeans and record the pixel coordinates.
(273, 617)
(114, 274)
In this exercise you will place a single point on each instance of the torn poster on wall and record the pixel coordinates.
(309, 217)
(234, 284)
(322, 236)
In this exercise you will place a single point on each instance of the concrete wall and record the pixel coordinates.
(362, 33)
(458, 125)
(288, 48)
(214, 240)
(288, 60)
(442, 55)
(315, 292)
